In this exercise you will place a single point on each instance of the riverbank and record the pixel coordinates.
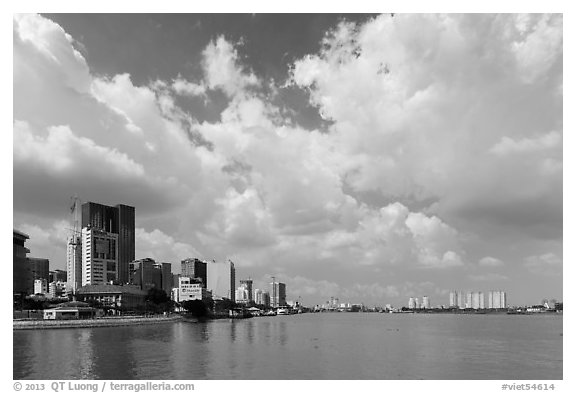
(98, 322)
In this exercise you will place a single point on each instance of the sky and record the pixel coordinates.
(366, 157)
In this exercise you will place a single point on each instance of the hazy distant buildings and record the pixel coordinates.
(222, 279)
(20, 267)
(119, 220)
(57, 275)
(194, 268)
(453, 303)
(411, 303)
(497, 299)
(425, 302)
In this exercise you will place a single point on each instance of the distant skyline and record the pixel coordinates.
(369, 158)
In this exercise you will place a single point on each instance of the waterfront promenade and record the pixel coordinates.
(97, 322)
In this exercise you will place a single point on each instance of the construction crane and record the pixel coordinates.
(75, 230)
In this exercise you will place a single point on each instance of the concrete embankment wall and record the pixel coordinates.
(84, 323)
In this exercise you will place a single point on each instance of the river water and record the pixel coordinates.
(305, 346)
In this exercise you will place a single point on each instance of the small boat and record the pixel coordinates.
(282, 311)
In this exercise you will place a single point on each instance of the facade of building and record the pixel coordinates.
(40, 286)
(247, 285)
(120, 297)
(74, 264)
(461, 300)
(195, 268)
(119, 220)
(221, 278)
(147, 273)
(497, 299)
(58, 275)
(262, 297)
(411, 303)
(99, 256)
(190, 289)
(57, 289)
(477, 300)
(242, 295)
(20, 268)
(40, 270)
(425, 302)
(278, 297)
(453, 299)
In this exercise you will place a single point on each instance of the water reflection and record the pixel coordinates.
(342, 346)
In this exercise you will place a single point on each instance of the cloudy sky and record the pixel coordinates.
(370, 158)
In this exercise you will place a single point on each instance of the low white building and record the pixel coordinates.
(40, 286)
(189, 289)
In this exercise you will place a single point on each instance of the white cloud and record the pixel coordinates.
(222, 70)
(508, 145)
(490, 262)
(539, 46)
(488, 277)
(163, 248)
(182, 87)
(544, 264)
(61, 151)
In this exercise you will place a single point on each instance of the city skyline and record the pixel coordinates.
(351, 159)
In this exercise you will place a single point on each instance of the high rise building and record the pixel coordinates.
(99, 256)
(411, 303)
(468, 300)
(74, 264)
(461, 300)
(242, 295)
(248, 286)
(119, 220)
(57, 275)
(425, 302)
(477, 300)
(496, 299)
(453, 299)
(221, 278)
(21, 267)
(195, 268)
(416, 303)
(40, 269)
(278, 297)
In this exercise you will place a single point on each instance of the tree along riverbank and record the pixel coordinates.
(98, 322)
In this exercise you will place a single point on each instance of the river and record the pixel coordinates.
(304, 346)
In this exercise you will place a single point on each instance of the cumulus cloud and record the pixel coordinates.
(544, 264)
(183, 87)
(490, 262)
(428, 145)
(222, 70)
(488, 277)
(510, 146)
(163, 248)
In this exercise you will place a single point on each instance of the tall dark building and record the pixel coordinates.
(195, 268)
(146, 274)
(40, 269)
(21, 268)
(119, 219)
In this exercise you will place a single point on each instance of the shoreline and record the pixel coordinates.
(91, 323)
